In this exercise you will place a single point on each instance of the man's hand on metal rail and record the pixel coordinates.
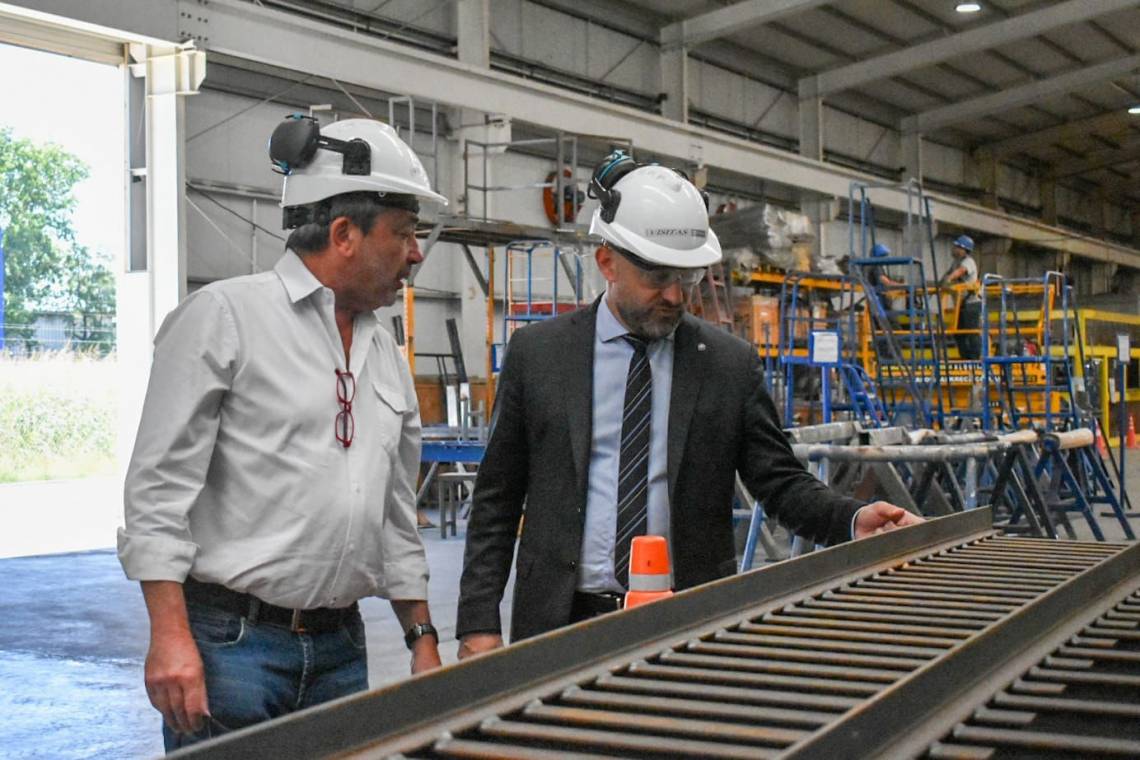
(880, 517)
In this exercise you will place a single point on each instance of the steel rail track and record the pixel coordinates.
(886, 647)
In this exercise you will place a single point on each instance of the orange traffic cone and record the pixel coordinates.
(649, 575)
(1100, 445)
(1130, 438)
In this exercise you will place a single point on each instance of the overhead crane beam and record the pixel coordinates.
(1113, 121)
(984, 105)
(731, 19)
(957, 45)
(1103, 158)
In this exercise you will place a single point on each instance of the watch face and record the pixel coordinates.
(419, 630)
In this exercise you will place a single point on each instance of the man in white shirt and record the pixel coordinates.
(272, 483)
(965, 271)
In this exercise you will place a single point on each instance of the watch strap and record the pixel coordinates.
(418, 631)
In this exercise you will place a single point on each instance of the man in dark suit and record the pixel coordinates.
(626, 418)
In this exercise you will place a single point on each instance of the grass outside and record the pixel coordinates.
(58, 417)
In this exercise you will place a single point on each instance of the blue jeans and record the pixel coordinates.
(258, 672)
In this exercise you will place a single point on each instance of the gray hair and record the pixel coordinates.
(361, 208)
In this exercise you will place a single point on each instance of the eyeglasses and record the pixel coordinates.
(344, 427)
(659, 277)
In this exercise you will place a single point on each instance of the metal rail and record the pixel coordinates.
(879, 647)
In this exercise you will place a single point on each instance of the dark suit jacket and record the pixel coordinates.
(720, 421)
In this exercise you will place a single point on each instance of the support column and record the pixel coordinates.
(988, 175)
(152, 277)
(811, 145)
(169, 74)
(675, 84)
(811, 120)
(911, 147)
(473, 23)
(1048, 190)
(1101, 212)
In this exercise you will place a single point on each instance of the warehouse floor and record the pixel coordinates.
(75, 636)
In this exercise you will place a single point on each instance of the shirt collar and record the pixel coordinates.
(609, 328)
(299, 282)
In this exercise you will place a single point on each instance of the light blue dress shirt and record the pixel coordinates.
(611, 366)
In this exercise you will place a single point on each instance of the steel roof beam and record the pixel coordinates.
(1097, 159)
(1117, 121)
(295, 43)
(731, 19)
(957, 45)
(1005, 100)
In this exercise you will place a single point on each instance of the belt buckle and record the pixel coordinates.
(295, 624)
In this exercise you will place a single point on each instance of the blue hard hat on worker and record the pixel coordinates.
(965, 242)
(653, 212)
(880, 250)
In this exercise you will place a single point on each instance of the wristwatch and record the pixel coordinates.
(420, 629)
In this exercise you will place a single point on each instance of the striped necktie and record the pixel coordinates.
(633, 469)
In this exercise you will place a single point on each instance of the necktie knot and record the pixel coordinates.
(639, 344)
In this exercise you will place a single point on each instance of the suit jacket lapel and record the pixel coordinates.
(688, 371)
(578, 393)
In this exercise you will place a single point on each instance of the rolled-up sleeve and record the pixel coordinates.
(405, 561)
(195, 356)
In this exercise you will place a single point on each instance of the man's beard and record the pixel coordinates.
(650, 322)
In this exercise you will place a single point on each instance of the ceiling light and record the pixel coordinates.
(968, 7)
(1134, 110)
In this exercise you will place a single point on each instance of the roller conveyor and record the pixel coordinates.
(946, 640)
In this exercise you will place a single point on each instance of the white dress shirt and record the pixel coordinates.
(237, 476)
(611, 368)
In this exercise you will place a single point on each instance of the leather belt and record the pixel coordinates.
(319, 620)
(589, 604)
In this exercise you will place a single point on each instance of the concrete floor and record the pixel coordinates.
(75, 636)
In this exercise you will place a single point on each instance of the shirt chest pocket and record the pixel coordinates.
(391, 408)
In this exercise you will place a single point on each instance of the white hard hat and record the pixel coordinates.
(315, 171)
(655, 213)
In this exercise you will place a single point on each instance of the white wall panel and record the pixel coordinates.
(777, 107)
(554, 39)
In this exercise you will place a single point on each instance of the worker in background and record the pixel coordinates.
(631, 417)
(272, 483)
(877, 277)
(965, 271)
(877, 274)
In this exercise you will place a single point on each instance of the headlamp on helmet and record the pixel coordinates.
(295, 142)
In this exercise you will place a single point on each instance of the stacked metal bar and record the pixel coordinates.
(1083, 700)
(878, 648)
(769, 683)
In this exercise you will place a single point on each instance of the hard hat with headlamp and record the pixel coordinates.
(654, 213)
(352, 155)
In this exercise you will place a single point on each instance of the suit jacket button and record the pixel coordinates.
(572, 565)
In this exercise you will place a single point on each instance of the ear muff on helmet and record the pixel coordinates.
(612, 168)
(609, 172)
(296, 141)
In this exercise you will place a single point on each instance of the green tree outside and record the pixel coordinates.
(45, 268)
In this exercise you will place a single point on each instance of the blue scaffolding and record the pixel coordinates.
(908, 340)
(541, 281)
(806, 310)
